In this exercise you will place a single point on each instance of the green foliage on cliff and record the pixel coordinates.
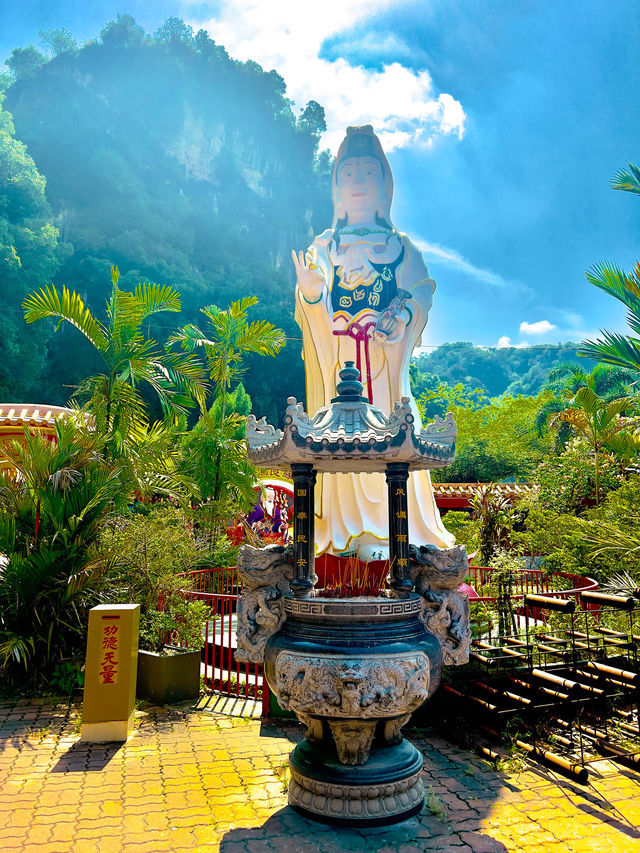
(165, 157)
(30, 253)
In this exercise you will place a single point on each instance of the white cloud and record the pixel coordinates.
(451, 258)
(288, 35)
(539, 328)
(505, 341)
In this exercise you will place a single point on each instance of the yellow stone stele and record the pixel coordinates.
(110, 672)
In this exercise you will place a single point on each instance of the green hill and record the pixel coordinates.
(170, 159)
(509, 370)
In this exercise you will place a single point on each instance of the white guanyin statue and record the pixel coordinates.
(363, 295)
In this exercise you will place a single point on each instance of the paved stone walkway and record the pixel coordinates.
(190, 779)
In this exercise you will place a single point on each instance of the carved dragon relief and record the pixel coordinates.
(437, 573)
(355, 694)
(363, 688)
(265, 573)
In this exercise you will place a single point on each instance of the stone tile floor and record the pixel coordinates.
(196, 779)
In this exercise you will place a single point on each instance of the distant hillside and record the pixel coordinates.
(509, 370)
(163, 155)
(179, 164)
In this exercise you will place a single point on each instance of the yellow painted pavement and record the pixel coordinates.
(193, 779)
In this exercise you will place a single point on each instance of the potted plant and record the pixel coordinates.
(169, 652)
(151, 551)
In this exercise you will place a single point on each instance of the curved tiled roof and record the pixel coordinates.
(15, 416)
(460, 495)
(30, 414)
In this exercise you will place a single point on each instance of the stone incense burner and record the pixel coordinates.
(353, 670)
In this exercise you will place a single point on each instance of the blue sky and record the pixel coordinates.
(504, 122)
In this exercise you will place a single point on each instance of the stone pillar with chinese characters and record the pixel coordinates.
(110, 672)
(397, 474)
(304, 478)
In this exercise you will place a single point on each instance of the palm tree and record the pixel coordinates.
(228, 338)
(566, 379)
(614, 348)
(610, 382)
(129, 357)
(601, 424)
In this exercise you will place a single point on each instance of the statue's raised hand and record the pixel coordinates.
(310, 281)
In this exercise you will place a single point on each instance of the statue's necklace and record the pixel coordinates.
(362, 232)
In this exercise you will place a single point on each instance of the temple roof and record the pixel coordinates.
(30, 414)
(461, 495)
(36, 416)
(351, 435)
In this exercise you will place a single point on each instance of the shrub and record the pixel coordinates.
(567, 481)
(466, 529)
(50, 520)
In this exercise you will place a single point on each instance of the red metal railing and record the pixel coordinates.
(523, 581)
(219, 589)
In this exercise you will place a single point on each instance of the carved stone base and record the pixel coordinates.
(387, 789)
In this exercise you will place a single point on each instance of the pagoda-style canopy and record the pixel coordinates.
(351, 435)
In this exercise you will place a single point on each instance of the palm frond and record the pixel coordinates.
(261, 337)
(190, 337)
(627, 181)
(16, 647)
(586, 399)
(565, 370)
(623, 286)
(153, 298)
(239, 308)
(47, 302)
(575, 418)
(618, 406)
(613, 348)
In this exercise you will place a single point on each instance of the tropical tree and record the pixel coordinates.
(609, 382)
(565, 381)
(614, 348)
(601, 424)
(496, 440)
(228, 338)
(50, 519)
(494, 513)
(130, 358)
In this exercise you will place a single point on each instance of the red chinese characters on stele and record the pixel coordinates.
(108, 672)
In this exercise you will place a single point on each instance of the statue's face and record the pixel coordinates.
(361, 185)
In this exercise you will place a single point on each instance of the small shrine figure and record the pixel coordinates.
(268, 520)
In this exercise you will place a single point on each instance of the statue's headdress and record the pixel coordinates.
(362, 142)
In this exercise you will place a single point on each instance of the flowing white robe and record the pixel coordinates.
(351, 509)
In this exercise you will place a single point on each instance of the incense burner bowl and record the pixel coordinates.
(353, 671)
